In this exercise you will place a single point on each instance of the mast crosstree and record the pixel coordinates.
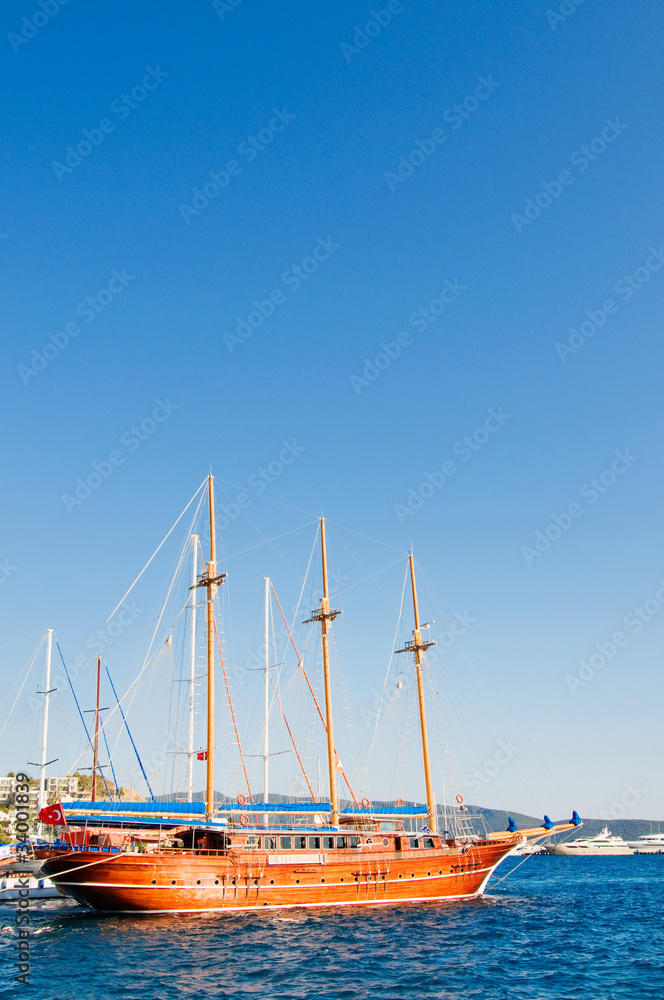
(324, 615)
(210, 580)
(417, 647)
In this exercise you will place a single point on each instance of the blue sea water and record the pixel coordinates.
(556, 928)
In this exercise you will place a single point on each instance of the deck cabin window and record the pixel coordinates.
(300, 843)
(342, 843)
(285, 843)
(414, 842)
(328, 843)
(253, 843)
(314, 843)
(270, 843)
(354, 841)
(428, 843)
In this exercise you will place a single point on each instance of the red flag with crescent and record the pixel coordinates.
(54, 815)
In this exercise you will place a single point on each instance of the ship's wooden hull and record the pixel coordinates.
(181, 881)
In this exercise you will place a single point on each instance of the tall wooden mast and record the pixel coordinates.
(324, 615)
(210, 581)
(417, 647)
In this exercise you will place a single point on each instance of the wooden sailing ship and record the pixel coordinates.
(175, 857)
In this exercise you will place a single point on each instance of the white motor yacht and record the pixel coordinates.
(603, 843)
(649, 843)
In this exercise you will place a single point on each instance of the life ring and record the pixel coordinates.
(399, 802)
(241, 799)
(459, 799)
(365, 803)
(244, 821)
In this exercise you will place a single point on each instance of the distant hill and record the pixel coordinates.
(493, 820)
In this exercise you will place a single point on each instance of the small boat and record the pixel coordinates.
(648, 843)
(158, 857)
(526, 849)
(18, 887)
(603, 843)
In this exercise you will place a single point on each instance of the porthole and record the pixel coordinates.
(198, 881)
(255, 881)
(412, 874)
(356, 878)
(232, 881)
(440, 871)
(429, 873)
(297, 881)
(271, 881)
(400, 876)
(172, 881)
(216, 881)
(341, 879)
(154, 881)
(385, 842)
(322, 880)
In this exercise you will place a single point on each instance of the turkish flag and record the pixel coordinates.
(202, 755)
(53, 815)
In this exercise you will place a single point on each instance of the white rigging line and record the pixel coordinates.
(268, 541)
(387, 675)
(484, 677)
(183, 554)
(27, 674)
(156, 550)
(370, 577)
(148, 660)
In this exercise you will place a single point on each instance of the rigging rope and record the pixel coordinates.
(157, 549)
(129, 733)
(283, 714)
(339, 765)
(27, 674)
(103, 778)
(230, 703)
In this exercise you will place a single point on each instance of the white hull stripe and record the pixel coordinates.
(263, 886)
(292, 906)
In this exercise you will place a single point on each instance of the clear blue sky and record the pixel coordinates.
(498, 156)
